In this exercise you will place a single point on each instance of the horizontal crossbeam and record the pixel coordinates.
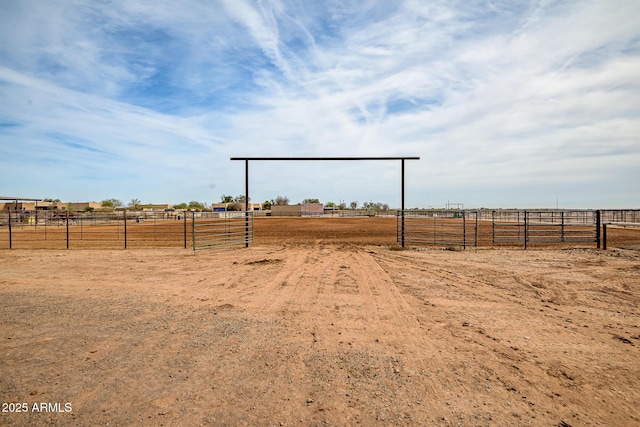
(326, 158)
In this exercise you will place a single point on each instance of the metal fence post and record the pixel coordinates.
(526, 230)
(604, 237)
(67, 229)
(185, 230)
(193, 228)
(464, 230)
(125, 229)
(604, 230)
(10, 236)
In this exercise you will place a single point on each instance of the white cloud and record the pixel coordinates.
(495, 96)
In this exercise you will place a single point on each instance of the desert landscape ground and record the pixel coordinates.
(321, 323)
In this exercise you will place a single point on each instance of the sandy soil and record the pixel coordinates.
(322, 333)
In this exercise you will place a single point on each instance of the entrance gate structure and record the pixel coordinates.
(246, 180)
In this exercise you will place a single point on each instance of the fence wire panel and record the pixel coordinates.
(438, 227)
(218, 229)
(621, 215)
(507, 227)
(532, 227)
(561, 227)
(500, 227)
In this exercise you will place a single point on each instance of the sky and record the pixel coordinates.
(508, 103)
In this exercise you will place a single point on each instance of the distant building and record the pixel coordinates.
(78, 206)
(224, 207)
(155, 207)
(305, 209)
(48, 206)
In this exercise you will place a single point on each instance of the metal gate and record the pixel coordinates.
(453, 227)
(544, 227)
(218, 229)
(509, 227)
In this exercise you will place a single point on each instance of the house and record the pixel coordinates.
(223, 207)
(305, 209)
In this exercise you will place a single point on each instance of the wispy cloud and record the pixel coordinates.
(508, 103)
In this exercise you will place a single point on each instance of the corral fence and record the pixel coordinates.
(481, 227)
(508, 227)
(218, 229)
(124, 229)
(103, 229)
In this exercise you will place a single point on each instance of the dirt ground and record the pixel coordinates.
(316, 327)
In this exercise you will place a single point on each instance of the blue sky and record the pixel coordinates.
(508, 103)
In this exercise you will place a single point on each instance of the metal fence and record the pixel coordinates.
(534, 227)
(441, 227)
(109, 229)
(218, 229)
(504, 227)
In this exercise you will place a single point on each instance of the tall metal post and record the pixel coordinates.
(246, 202)
(185, 229)
(402, 207)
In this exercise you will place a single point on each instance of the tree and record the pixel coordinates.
(51, 200)
(196, 206)
(353, 205)
(133, 204)
(111, 203)
(181, 206)
(330, 205)
(280, 201)
(89, 209)
(226, 199)
(310, 201)
(267, 204)
(375, 206)
(240, 199)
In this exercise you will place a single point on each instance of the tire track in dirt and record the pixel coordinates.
(522, 361)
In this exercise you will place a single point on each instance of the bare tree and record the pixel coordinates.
(280, 201)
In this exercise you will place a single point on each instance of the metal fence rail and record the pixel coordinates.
(219, 229)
